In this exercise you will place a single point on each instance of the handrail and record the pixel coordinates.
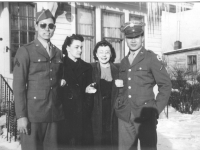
(7, 98)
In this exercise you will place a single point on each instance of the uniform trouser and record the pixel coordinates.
(129, 133)
(42, 136)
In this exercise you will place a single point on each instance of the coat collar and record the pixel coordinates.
(140, 56)
(40, 49)
(82, 67)
(114, 71)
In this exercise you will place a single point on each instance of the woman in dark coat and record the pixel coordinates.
(104, 120)
(76, 130)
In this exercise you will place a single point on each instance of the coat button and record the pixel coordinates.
(129, 96)
(129, 70)
(145, 103)
(50, 69)
(129, 78)
(34, 97)
(38, 60)
(50, 78)
(50, 62)
(140, 68)
(51, 88)
(129, 87)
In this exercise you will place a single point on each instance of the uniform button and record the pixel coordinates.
(50, 62)
(34, 97)
(145, 103)
(39, 60)
(129, 96)
(129, 70)
(129, 87)
(140, 68)
(50, 69)
(51, 88)
(129, 78)
(50, 78)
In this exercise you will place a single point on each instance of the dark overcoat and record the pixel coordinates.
(77, 104)
(36, 80)
(97, 111)
(139, 79)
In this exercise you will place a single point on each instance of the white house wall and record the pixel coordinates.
(183, 26)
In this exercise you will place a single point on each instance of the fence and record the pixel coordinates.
(7, 108)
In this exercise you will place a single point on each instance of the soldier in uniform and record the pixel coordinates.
(137, 108)
(36, 81)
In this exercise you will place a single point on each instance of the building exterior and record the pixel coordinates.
(94, 20)
(187, 59)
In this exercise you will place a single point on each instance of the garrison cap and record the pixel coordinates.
(132, 29)
(44, 14)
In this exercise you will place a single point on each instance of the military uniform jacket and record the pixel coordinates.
(139, 79)
(35, 84)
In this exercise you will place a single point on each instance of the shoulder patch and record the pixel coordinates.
(159, 58)
(17, 63)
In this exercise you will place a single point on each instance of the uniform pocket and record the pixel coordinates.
(140, 75)
(39, 60)
(58, 61)
(35, 95)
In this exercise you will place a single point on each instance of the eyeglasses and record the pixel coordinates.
(44, 25)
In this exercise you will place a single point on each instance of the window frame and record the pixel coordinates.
(122, 21)
(94, 27)
(188, 57)
(19, 29)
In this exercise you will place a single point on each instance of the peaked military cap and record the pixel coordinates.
(133, 29)
(44, 14)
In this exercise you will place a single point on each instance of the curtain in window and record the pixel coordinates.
(111, 25)
(85, 22)
(86, 29)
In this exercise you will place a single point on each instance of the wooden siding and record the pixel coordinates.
(63, 29)
(180, 59)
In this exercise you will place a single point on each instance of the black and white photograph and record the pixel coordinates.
(100, 75)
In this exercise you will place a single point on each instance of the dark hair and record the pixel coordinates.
(68, 41)
(104, 43)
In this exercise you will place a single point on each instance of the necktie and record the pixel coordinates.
(131, 58)
(48, 48)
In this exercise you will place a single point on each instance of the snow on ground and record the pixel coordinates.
(178, 132)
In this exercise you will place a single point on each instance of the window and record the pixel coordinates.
(192, 63)
(85, 27)
(22, 17)
(111, 24)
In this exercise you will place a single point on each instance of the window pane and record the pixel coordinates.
(31, 36)
(23, 37)
(111, 25)
(85, 27)
(14, 22)
(31, 24)
(22, 10)
(87, 49)
(194, 60)
(85, 21)
(14, 37)
(30, 11)
(23, 23)
(14, 9)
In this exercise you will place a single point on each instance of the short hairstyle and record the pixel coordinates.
(68, 41)
(104, 43)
